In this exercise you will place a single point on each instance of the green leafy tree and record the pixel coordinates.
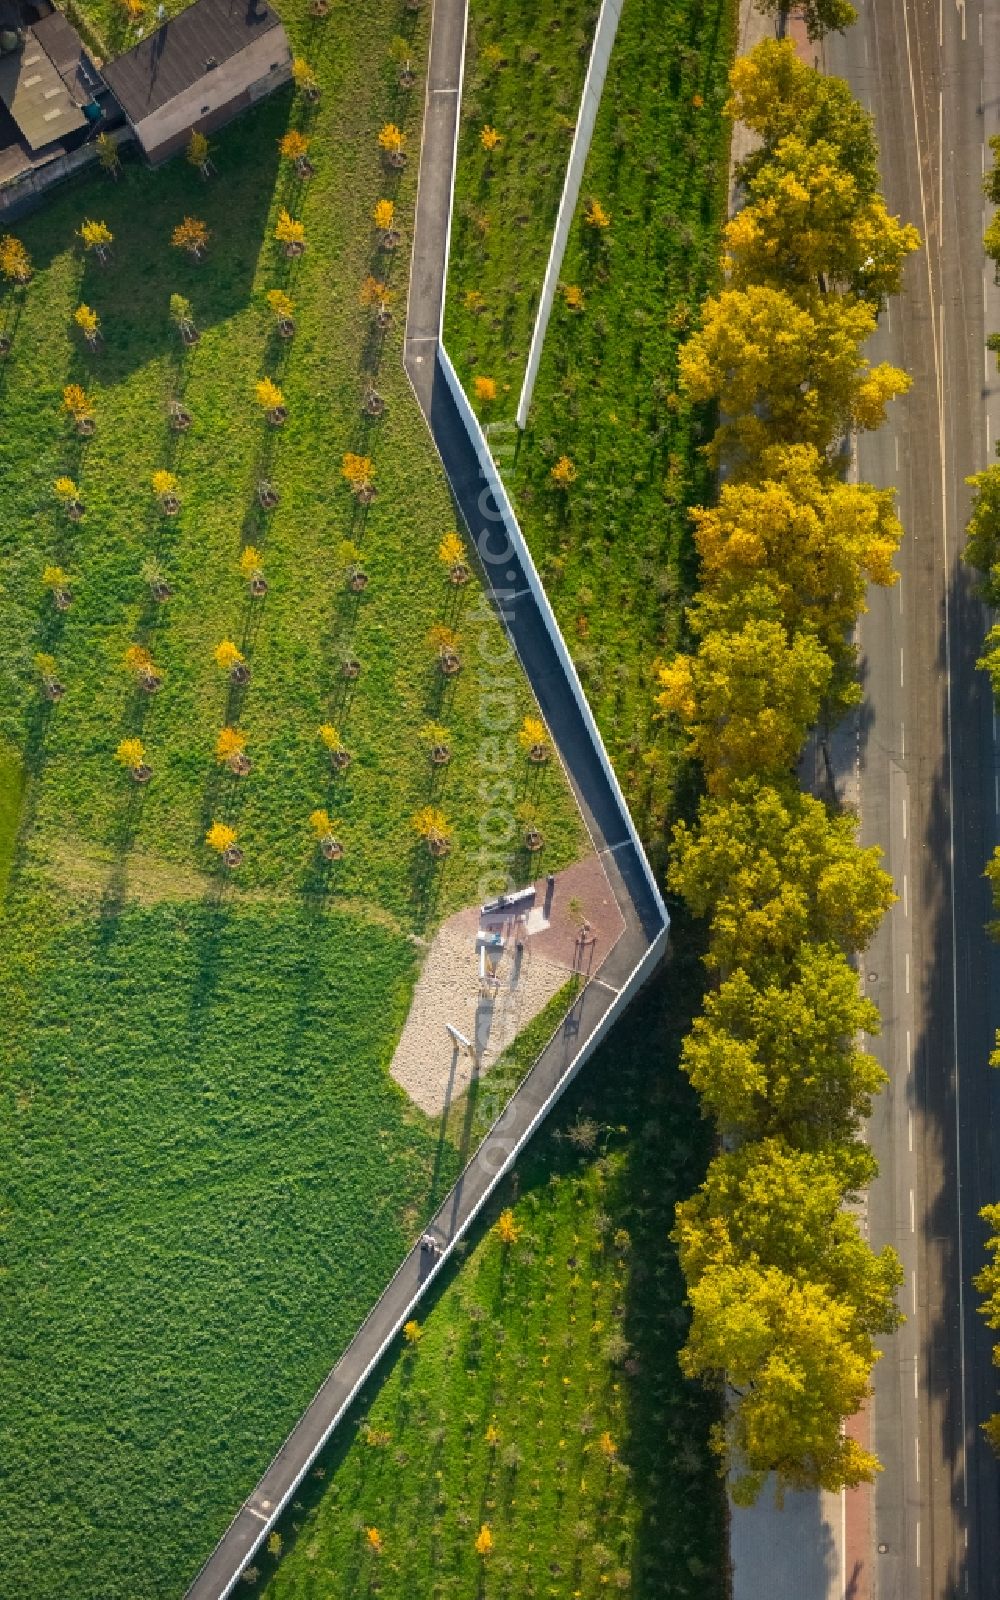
(820, 16)
(989, 661)
(775, 95)
(782, 1056)
(991, 244)
(107, 155)
(991, 181)
(982, 547)
(774, 870)
(747, 699)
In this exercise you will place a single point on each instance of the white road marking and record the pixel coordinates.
(913, 1225)
(907, 970)
(906, 897)
(916, 1391)
(916, 1456)
(905, 808)
(902, 741)
(909, 1140)
(918, 1541)
(909, 1052)
(941, 159)
(896, 443)
(901, 666)
(913, 1282)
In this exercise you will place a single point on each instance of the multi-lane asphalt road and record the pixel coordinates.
(929, 70)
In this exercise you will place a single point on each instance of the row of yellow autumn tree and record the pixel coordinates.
(786, 1295)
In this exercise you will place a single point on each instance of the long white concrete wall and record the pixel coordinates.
(590, 100)
(513, 530)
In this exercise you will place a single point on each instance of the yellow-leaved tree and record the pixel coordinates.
(15, 262)
(190, 235)
(787, 1300)
(807, 222)
(747, 699)
(987, 1281)
(452, 556)
(431, 825)
(290, 232)
(786, 369)
(775, 871)
(97, 237)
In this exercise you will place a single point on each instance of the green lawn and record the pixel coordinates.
(569, 1334)
(208, 1177)
(525, 62)
(614, 550)
(11, 795)
(198, 1127)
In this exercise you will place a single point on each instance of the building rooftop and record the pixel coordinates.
(182, 50)
(35, 94)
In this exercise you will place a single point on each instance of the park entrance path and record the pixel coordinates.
(515, 591)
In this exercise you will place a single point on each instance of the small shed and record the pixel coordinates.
(199, 70)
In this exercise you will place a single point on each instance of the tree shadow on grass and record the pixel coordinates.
(132, 293)
(207, 932)
(427, 876)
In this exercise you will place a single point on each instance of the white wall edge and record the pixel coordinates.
(590, 100)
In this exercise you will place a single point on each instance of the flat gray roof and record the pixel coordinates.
(36, 96)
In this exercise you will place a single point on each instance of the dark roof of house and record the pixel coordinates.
(63, 46)
(177, 54)
(36, 96)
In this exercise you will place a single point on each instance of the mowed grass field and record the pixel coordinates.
(208, 1174)
(614, 548)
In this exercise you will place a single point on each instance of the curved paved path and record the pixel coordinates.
(634, 955)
